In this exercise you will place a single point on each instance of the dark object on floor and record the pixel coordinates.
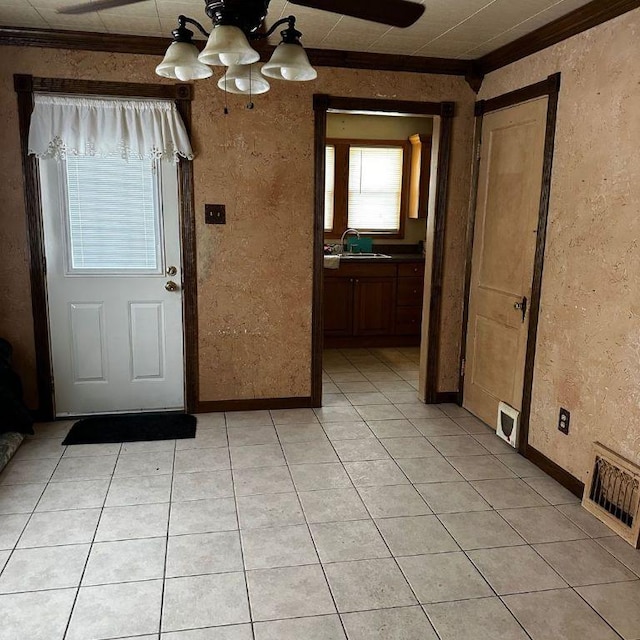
(132, 427)
(14, 416)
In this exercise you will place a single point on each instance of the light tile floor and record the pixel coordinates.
(373, 518)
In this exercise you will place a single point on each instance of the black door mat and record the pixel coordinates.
(132, 427)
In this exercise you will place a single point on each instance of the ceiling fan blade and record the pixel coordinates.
(396, 13)
(98, 5)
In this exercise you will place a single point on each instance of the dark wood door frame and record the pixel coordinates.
(26, 86)
(323, 103)
(551, 88)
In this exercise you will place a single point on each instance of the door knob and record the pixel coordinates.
(521, 306)
(171, 271)
(171, 286)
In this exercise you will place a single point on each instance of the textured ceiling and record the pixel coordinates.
(449, 28)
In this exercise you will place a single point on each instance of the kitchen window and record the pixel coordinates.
(366, 187)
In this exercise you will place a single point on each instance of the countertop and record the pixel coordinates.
(393, 259)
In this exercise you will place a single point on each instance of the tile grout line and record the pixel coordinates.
(166, 545)
(95, 533)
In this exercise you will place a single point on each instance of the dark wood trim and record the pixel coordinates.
(437, 267)
(531, 92)
(320, 107)
(254, 404)
(581, 19)
(538, 265)
(25, 86)
(446, 111)
(156, 46)
(551, 88)
(447, 397)
(369, 342)
(35, 238)
(471, 226)
(567, 480)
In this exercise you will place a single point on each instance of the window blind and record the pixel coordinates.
(375, 188)
(113, 214)
(329, 186)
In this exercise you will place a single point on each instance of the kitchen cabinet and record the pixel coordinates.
(373, 304)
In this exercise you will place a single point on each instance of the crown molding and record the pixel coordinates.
(586, 17)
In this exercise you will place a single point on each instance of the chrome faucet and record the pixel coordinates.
(344, 235)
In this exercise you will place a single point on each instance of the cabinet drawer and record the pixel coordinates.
(362, 271)
(411, 269)
(408, 320)
(410, 292)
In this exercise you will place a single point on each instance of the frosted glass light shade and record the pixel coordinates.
(227, 45)
(181, 62)
(241, 78)
(289, 62)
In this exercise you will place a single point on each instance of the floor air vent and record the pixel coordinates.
(613, 493)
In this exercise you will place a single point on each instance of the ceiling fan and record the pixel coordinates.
(395, 13)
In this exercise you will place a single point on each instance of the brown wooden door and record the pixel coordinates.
(374, 306)
(338, 306)
(510, 181)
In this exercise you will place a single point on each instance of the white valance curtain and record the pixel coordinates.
(64, 125)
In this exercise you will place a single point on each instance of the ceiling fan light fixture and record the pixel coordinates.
(228, 46)
(289, 61)
(244, 80)
(181, 62)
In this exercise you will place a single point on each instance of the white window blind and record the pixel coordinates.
(113, 214)
(375, 188)
(329, 186)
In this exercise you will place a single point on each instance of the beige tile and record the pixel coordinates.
(618, 604)
(144, 464)
(205, 439)
(333, 505)
(20, 498)
(82, 450)
(139, 490)
(326, 627)
(84, 494)
(230, 632)
(88, 468)
(183, 601)
(375, 473)
(210, 420)
(41, 448)
(203, 516)
(293, 416)
(416, 535)
(409, 447)
(199, 486)
(405, 623)
(337, 414)
(493, 443)
(288, 592)
(154, 446)
(300, 432)
(515, 570)
(201, 460)
(393, 428)
(368, 399)
(364, 449)
(309, 452)
(480, 467)
(418, 410)
(248, 418)
(583, 519)
(309, 477)
(542, 524)
(623, 551)
(522, 467)
(566, 616)
(452, 497)
(347, 430)
(260, 455)
(552, 491)
(138, 521)
(368, 584)
(375, 412)
(11, 527)
(58, 527)
(28, 471)
(278, 547)
(443, 577)
(249, 482)
(277, 509)
(433, 427)
(473, 619)
(423, 470)
(201, 553)
(393, 501)
(353, 540)
(458, 446)
(244, 436)
(480, 530)
(472, 425)
(38, 615)
(583, 562)
(508, 494)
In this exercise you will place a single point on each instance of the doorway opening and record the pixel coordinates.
(380, 187)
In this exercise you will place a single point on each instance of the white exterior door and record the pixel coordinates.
(112, 246)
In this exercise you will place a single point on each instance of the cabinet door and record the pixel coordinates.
(338, 306)
(374, 305)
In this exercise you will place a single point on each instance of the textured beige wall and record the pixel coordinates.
(255, 273)
(588, 354)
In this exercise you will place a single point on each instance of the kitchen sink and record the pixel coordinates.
(355, 256)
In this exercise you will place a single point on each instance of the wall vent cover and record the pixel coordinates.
(612, 493)
(508, 424)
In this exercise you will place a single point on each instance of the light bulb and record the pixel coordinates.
(243, 84)
(183, 73)
(290, 74)
(229, 59)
